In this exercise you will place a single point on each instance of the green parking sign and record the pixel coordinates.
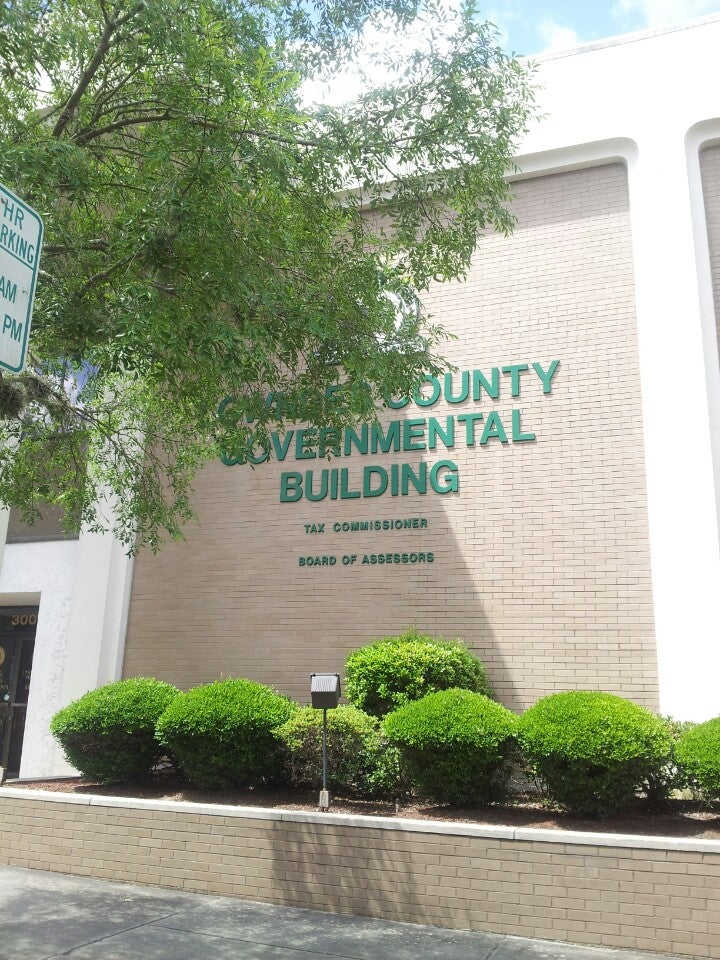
(21, 232)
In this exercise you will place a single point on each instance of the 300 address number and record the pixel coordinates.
(24, 620)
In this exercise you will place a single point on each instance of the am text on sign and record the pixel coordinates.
(21, 231)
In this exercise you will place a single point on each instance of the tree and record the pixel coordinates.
(209, 236)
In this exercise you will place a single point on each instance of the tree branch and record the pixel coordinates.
(111, 27)
(102, 245)
(103, 275)
(88, 135)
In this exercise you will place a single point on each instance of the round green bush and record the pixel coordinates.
(388, 673)
(698, 755)
(360, 761)
(670, 777)
(109, 733)
(593, 751)
(457, 746)
(221, 734)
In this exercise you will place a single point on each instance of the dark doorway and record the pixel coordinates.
(17, 645)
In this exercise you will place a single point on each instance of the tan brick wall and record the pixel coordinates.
(541, 557)
(666, 900)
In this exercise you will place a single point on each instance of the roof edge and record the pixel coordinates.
(623, 38)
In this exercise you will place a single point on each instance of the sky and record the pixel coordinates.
(525, 27)
(529, 27)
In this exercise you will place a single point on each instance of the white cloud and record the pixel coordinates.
(349, 83)
(556, 37)
(383, 51)
(661, 13)
(501, 17)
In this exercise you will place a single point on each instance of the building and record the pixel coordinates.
(554, 501)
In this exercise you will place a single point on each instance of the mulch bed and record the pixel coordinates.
(677, 818)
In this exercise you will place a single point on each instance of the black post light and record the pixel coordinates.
(324, 695)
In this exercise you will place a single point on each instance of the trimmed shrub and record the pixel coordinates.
(593, 751)
(221, 734)
(457, 746)
(388, 673)
(360, 761)
(660, 784)
(698, 755)
(109, 733)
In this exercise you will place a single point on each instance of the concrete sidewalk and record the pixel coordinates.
(49, 915)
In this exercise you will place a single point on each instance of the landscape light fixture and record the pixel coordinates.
(324, 695)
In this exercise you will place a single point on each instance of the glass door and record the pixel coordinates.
(17, 646)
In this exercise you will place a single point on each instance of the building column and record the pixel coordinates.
(98, 616)
(679, 375)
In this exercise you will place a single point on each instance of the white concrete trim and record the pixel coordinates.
(96, 632)
(682, 508)
(4, 521)
(699, 137)
(576, 157)
(117, 610)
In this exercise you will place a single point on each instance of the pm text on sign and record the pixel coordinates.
(21, 231)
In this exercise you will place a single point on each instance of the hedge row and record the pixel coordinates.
(232, 733)
(238, 733)
(588, 751)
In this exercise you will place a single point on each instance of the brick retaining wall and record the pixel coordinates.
(636, 892)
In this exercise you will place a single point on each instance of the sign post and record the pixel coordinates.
(21, 232)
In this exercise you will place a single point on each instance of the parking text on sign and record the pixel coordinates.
(21, 231)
